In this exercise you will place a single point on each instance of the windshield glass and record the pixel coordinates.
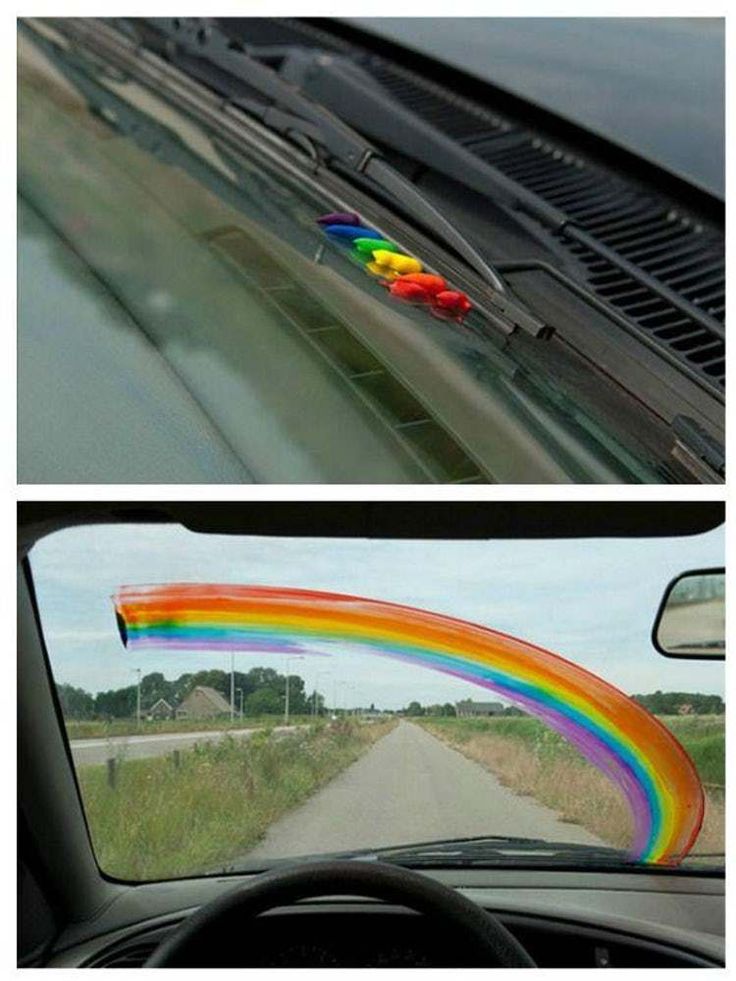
(210, 330)
(234, 701)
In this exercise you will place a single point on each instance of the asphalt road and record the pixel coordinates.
(85, 751)
(410, 787)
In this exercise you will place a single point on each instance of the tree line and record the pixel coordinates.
(263, 694)
(682, 702)
(658, 703)
(415, 710)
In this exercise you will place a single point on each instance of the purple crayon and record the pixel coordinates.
(339, 218)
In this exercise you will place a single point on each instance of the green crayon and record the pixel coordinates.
(369, 245)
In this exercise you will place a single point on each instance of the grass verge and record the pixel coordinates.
(163, 820)
(531, 759)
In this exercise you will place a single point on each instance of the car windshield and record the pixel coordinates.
(234, 701)
(210, 330)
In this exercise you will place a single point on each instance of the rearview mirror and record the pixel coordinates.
(691, 620)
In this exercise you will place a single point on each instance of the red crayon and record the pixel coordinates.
(409, 292)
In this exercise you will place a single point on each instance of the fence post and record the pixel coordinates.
(177, 758)
(112, 772)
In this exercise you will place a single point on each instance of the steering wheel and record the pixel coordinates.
(483, 940)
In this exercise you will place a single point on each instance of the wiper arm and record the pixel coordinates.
(460, 852)
(357, 98)
(477, 849)
(471, 842)
(295, 115)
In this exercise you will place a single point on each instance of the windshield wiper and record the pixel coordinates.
(354, 95)
(487, 851)
(294, 115)
(478, 852)
(501, 849)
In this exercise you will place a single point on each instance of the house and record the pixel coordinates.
(160, 710)
(203, 703)
(470, 708)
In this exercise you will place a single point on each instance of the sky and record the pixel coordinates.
(592, 601)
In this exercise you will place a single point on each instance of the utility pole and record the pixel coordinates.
(138, 700)
(232, 686)
(241, 702)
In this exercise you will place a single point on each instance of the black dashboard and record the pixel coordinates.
(362, 934)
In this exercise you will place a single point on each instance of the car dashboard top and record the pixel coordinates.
(564, 919)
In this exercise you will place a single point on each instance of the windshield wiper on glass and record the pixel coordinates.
(476, 852)
(343, 92)
(501, 849)
(494, 850)
(246, 82)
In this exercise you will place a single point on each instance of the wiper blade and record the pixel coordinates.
(460, 852)
(471, 842)
(354, 95)
(478, 851)
(295, 115)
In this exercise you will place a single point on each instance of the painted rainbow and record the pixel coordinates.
(631, 747)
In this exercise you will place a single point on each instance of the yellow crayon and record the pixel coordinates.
(378, 269)
(395, 260)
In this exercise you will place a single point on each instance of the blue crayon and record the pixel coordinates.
(352, 231)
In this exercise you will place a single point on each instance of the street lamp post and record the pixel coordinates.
(138, 700)
(232, 686)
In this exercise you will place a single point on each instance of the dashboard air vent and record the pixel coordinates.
(131, 955)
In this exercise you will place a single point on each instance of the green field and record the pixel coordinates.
(162, 820)
(702, 736)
